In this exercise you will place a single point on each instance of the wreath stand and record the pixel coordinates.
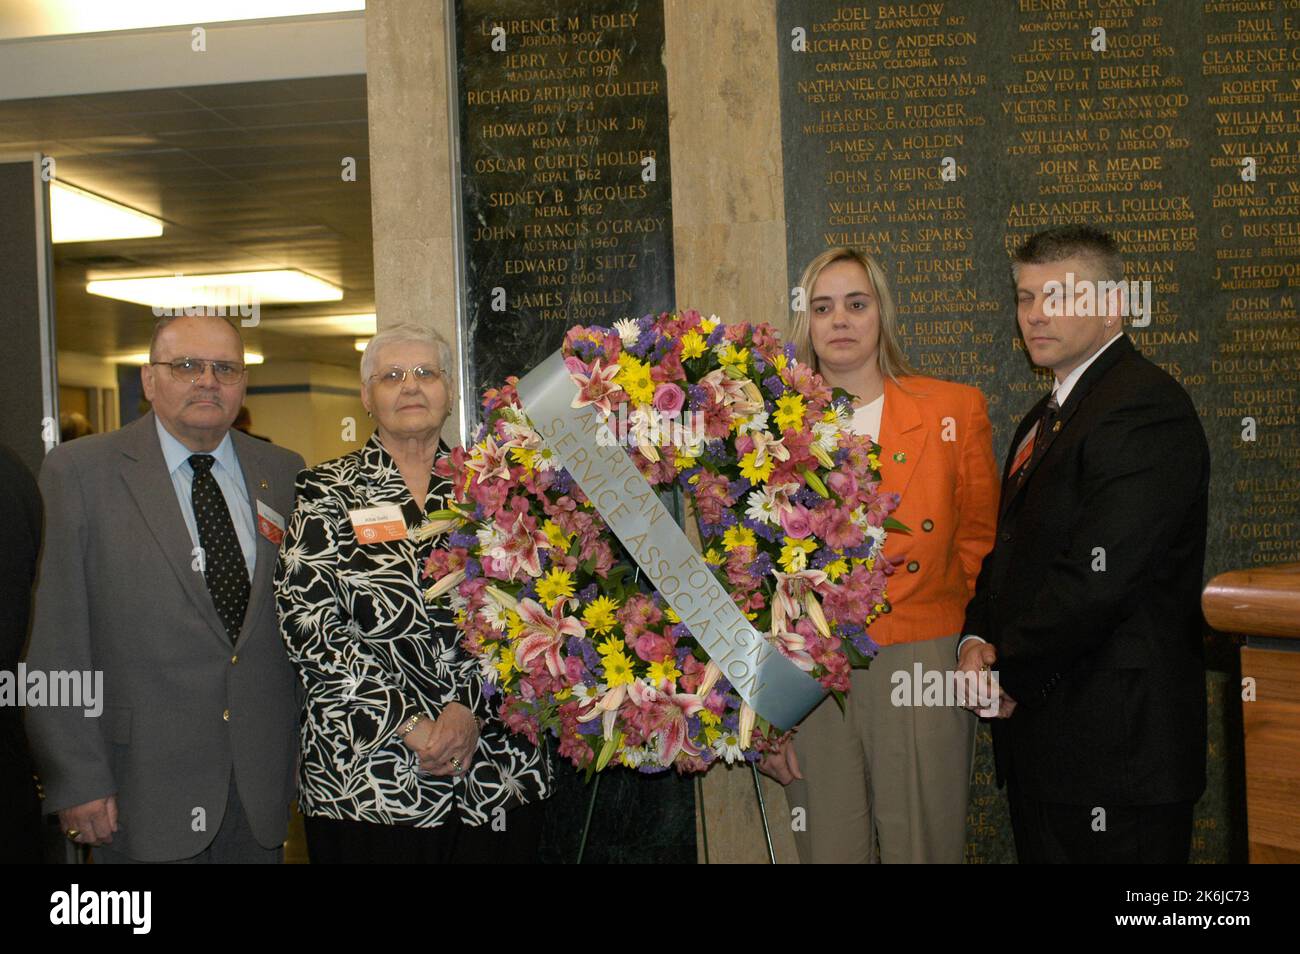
(673, 502)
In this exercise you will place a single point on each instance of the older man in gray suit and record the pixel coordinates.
(160, 543)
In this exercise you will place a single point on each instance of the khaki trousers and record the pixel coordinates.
(884, 782)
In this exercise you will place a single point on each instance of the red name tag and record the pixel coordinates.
(270, 524)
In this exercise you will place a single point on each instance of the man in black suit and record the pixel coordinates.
(1088, 607)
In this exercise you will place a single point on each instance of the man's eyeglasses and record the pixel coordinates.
(394, 376)
(190, 370)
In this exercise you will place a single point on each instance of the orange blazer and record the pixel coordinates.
(936, 451)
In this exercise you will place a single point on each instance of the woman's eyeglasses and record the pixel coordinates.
(394, 376)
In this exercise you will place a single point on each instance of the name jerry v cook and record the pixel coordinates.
(75, 689)
(616, 488)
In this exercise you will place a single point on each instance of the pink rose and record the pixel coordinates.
(669, 398)
(796, 522)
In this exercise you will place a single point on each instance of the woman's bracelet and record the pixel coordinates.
(409, 724)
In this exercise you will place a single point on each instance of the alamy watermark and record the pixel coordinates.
(945, 688)
(1085, 298)
(75, 689)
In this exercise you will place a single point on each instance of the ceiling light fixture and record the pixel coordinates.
(80, 216)
(216, 291)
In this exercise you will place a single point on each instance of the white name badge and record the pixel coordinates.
(269, 523)
(378, 524)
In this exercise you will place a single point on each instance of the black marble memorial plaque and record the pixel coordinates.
(940, 135)
(567, 220)
(565, 177)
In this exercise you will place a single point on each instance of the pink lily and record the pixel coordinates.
(669, 711)
(596, 386)
(546, 633)
(518, 550)
(489, 459)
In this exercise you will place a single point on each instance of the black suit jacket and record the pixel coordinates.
(1092, 595)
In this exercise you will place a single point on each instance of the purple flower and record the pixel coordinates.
(562, 482)
(699, 396)
(738, 488)
(774, 385)
(473, 569)
(865, 645)
(489, 690)
(789, 352)
(588, 593)
(761, 567)
(808, 498)
(466, 540)
(590, 728)
(578, 646)
(715, 336)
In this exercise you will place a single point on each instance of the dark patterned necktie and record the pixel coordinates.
(1046, 431)
(224, 568)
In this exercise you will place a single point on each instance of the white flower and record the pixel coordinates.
(628, 330)
(827, 435)
(487, 665)
(489, 537)
(760, 505)
(495, 614)
(727, 746)
(588, 695)
(758, 422)
(633, 757)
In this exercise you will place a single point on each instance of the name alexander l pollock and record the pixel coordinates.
(74, 689)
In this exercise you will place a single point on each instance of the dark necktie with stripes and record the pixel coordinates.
(224, 568)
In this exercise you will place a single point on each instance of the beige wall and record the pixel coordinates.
(410, 161)
(728, 219)
(312, 418)
(729, 254)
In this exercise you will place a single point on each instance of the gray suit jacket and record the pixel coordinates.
(118, 592)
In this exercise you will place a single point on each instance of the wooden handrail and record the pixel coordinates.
(1264, 601)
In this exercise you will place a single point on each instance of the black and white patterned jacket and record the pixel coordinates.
(368, 649)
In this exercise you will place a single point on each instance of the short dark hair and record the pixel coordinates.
(1071, 241)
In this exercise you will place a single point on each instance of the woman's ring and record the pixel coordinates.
(455, 764)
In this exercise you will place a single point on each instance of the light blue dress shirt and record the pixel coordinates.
(230, 478)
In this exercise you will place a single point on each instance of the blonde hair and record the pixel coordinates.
(889, 351)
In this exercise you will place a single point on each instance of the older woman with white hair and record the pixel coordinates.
(402, 760)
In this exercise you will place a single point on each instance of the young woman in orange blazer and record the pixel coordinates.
(888, 779)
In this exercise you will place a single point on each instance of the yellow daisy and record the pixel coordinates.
(599, 615)
(795, 553)
(554, 586)
(634, 378)
(789, 411)
(738, 536)
(618, 670)
(555, 536)
(693, 345)
(757, 475)
(836, 569)
(664, 670)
